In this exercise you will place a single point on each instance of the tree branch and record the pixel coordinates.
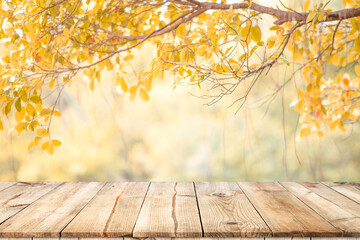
(281, 15)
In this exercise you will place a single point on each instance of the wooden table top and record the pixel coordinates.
(179, 209)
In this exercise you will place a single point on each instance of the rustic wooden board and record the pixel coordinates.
(17, 197)
(50, 214)
(339, 217)
(202, 238)
(335, 197)
(342, 238)
(285, 214)
(169, 210)
(226, 212)
(350, 190)
(290, 238)
(15, 238)
(111, 213)
(4, 185)
(47, 238)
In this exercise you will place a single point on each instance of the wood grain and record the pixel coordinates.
(285, 214)
(225, 211)
(350, 190)
(169, 210)
(326, 206)
(4, 185)
(15, 238)
(17, 197)
(50, 214)
(111, 213)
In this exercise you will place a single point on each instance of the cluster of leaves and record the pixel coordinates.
(330, 98)
(45, 43)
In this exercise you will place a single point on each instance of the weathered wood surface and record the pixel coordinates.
(330, 205)
(284, 213)
(49, 215)
(105, 215)
(4, 185)
(169, 210)
(226, 210)
(18, 196)
(350, 190)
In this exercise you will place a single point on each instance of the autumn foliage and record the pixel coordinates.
(45, 44)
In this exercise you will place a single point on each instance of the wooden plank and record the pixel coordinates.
(112, 212)
(338, 216)
(288, 238)
(202, 238)
(350, 190)
(94, 238)
(15, 238)
(342, 238)
(225, 211)
(169, 210)
(285, 214)
(4, 185)
(335, 197)
(19, 196)
(50, 214)
(58, 238)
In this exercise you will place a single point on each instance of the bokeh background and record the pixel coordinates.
(176, 136)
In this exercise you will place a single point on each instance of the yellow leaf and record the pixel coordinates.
(133, 89)
(40, 132)
(50, 150)
(304, 132)
(45, 145)
(18, 104)
(256, 34)
(36, 141)
(341, 126)
(20, 127)
(143, 95)
(128, 57)
(320, 134)
(332, 124)
(306, 5)
(1, 125)
(123, 84)
(181, 30)
(202, 50)
(7, 108)
(52, 83)
(218, 69)
(19, 116)
(91, 84)
(35, 99)
(233, 64)
(55, 143)
(148, 82)
(310, 16)
(181, 71)
(57, 113)
(30, 146)
(183, 54)
(357, 70)
(271, 41)
(30, 110)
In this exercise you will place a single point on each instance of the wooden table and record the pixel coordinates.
(179, 210)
